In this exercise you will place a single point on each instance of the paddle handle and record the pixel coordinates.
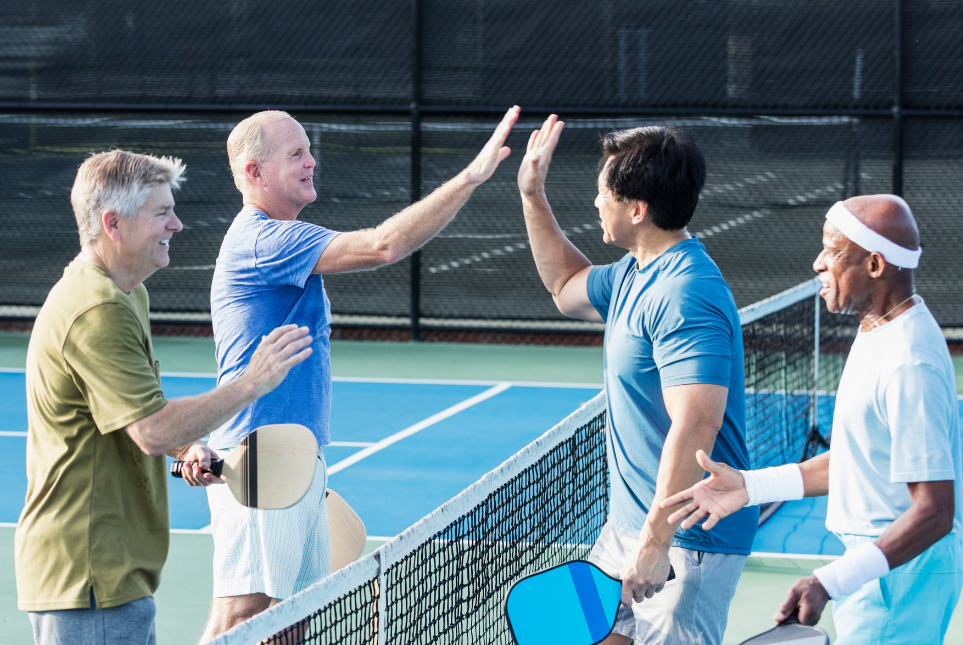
(216, 466)
(671, 574)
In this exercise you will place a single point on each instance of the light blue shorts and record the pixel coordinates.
(912, 604)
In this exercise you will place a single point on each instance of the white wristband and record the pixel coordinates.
(778, 484)
(853, 570)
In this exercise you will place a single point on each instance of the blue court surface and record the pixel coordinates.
(402, 448)
(452, 434)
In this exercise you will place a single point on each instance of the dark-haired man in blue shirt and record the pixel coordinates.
(674, 375)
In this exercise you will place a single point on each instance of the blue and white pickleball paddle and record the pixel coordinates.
(570, 604)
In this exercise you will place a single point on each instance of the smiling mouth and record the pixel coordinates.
(165, 242)
(308, 180)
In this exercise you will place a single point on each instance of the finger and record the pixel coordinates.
(277, 332)
(546, 130)
(693, 519)
(503, 153)
(504, 127)
(289, 337)
(787, 607)
(709, 523)
(294, 347)
(554, 135)
(706, 462)
(676, 499)
(531, 140)
(683, 512)
(627, 594)
(296, 359)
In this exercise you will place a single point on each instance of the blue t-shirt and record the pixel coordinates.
(263, 280)
(673, 322)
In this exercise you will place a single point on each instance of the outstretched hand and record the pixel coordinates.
(719, 495)
(538, 157)
(494, 152)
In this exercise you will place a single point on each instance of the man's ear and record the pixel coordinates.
(253, 172)
(876, 264)
(110, 223)
(640, 211)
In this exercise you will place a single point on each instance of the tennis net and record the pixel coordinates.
(444, 579)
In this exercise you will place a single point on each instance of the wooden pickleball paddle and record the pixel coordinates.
(569, 604)
(272, 468)
(346, 530)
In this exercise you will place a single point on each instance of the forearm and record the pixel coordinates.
(677, 471)
(184, 420)
(408, 230)
(928, 520)
(815, 473)
(556, 258)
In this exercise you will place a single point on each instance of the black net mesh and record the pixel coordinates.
(450, 589)
(344, 67)
(779, 384)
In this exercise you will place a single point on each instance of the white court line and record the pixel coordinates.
(437, 381)
(792, 556)
(10, 433)
(8, 525)
(203, 531)
(418, 427)
(350, 444)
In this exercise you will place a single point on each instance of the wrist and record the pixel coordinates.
(779, 484)
(853, 570)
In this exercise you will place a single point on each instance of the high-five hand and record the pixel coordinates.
(494, 152)
(720, 495)
(538, 157)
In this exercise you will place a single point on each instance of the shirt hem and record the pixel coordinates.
(694, 380)
(57, 605)
(125, 421)
(903, 477)
(706, 548)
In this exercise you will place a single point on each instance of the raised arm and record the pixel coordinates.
(408, 230)
(562, 267)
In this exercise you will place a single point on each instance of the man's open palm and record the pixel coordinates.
(718, 496)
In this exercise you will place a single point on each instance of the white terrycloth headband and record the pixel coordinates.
(850, 226)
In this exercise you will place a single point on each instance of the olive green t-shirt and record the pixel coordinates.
(96, 507)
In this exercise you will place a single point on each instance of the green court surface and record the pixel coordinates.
(184, 595)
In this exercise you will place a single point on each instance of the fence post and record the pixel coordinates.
(898, 100)
(416, 163)
(815, 410)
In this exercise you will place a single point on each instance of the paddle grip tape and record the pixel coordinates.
(217, 466)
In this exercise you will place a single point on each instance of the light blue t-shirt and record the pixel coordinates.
(263, 280)
(673, 322)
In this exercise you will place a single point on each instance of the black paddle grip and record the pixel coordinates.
(216, 466)
(671, 574)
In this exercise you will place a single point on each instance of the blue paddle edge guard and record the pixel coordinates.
(572, 604)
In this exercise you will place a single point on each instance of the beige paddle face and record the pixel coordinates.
(273, 467)
(346, 529)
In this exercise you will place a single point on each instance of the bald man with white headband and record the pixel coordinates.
(894, 470)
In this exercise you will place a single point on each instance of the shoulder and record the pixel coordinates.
(86, 288)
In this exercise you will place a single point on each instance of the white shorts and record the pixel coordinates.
(274, 552)
(693, 608)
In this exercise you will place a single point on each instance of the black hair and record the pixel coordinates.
(660, 166)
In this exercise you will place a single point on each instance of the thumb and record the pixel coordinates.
(713, 467)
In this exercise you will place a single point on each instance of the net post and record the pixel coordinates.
(382, 596)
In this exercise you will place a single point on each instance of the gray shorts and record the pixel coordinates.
(129, 624)
(693, 608)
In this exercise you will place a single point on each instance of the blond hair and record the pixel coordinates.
(120, 181)
(248, 142)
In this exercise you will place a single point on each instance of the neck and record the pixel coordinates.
(112, 264)
(885, 306)
(653, 242)
(271, 207)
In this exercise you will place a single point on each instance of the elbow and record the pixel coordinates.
(143, 440)
(388, 251)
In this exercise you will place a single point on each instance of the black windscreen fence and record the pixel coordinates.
(796, 104)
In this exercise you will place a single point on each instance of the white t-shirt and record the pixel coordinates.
(896, 421)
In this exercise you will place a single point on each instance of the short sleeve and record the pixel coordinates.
(692, 340)
(107, 355)
(601, 283)
(918, 409)
(287, 251)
